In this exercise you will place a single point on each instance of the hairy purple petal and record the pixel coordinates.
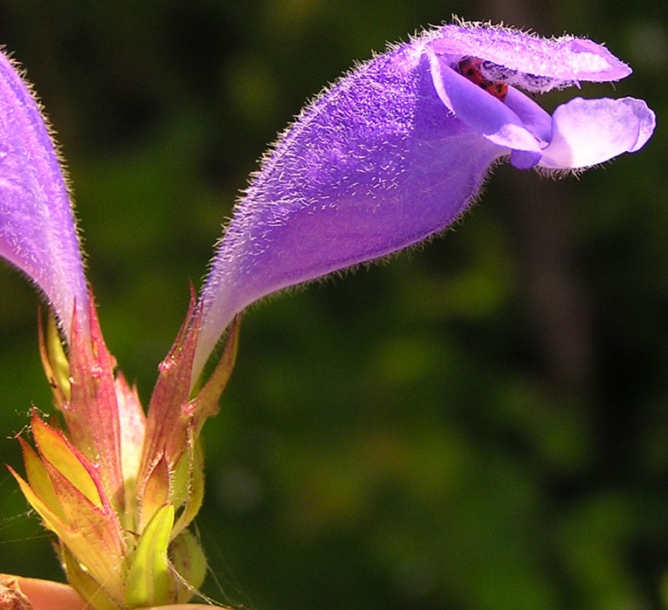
(398, 149)
(533, 63)
(376, 164)
(37, 228)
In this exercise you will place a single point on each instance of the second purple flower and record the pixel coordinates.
(398, 149)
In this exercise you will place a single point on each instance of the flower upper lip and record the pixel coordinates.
(558, 61)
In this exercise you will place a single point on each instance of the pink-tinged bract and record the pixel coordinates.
(397, 150)
(37, 228)
(118, 488)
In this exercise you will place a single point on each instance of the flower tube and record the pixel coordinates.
(397, 150)
(37, 227)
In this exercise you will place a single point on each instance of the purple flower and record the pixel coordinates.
(37, 228)
(398, 148)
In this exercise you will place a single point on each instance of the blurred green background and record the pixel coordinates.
(481, 424)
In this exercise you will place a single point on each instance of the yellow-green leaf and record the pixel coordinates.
(150, 581)
(55, 448)
(39, 479)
